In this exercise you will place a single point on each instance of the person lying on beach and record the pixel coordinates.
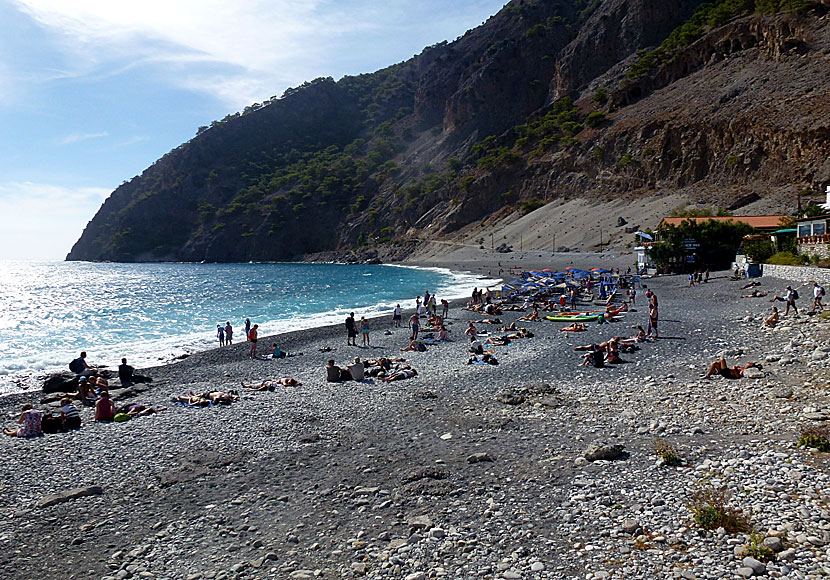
(532, 317)
(750, 285)
(509, 327)
(384, 362)
(492, 310)
(272, 384)
(755, 294)
(639, 337)
(400, 373)
(498, 341)
(574, 327)
(207, 398)
(772, 319)
(30, 423)
(719, 367)
(414, 346)
(488, 321)
(522, 333)
(104, 408)
(138, 410)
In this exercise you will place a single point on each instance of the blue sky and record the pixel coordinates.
(93, 91)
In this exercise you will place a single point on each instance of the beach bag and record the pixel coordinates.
(50, 424)
(121, 417)
(77, 365)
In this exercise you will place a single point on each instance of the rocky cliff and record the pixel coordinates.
(548, 99)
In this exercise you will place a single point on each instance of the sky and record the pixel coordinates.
(94, 91)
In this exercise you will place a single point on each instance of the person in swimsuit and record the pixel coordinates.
(104, 408)
(252, 336)
(415, 325)
(399, 374)
(719, 367)
(364, 330)
(772, 319)
(272, 384)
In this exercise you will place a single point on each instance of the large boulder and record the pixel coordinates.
(60, 383)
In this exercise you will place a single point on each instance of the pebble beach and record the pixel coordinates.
(464, 471)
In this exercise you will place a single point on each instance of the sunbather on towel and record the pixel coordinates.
(272, 384)
(400, 374)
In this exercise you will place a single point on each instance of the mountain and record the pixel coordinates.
(727, 101)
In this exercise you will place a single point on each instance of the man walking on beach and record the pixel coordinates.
(818, 294)
(396, 316)
(351, 332)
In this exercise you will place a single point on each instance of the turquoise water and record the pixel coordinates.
(151, 313)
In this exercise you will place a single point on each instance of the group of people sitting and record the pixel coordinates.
(385, 369)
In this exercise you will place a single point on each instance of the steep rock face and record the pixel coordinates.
(611, 35)
(470, 128)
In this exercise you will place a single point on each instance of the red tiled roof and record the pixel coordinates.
(756, 221)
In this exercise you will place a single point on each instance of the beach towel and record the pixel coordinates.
(189, 406)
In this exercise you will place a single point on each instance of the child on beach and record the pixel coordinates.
(364, 330)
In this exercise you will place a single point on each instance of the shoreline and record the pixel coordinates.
(387, 480)
(188, 345)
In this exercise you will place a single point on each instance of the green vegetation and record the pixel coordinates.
(697, 212)
(716, 243)
(759, 251)
(786, 258)
(707, 16)
(595, 119)
(711, 510)
(667, 452)
(531, 204)
(756, 548)
(817, 437)
(601, 95)
(624, 161)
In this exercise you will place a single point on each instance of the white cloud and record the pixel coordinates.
(258, 44)
(44, 221)
(246, 50)
(76, 137)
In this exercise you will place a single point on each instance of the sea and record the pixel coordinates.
(155, 313)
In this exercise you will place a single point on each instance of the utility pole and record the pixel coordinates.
(553, 243)
(600, 238)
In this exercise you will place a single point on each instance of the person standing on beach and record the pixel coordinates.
(228, 333)
(351, 332)
(426, 298)
(253, 336)
(220, 331)
(364, 330)
(653, 314)
(247, 327)
(418, 305)
(445, 308)
(396, 316)
(415, 325)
